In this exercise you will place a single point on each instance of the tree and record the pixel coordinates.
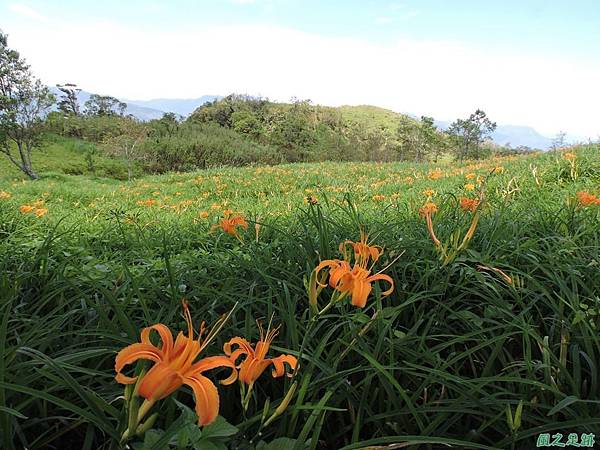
(69, 103)
(167, 126)
(430, 141)
(559, 141)
(419, 139)
(408, 137)
(246, 122)
(104, 105)
(293, 130)
(469, 134)
(127, 143)
(24, 102)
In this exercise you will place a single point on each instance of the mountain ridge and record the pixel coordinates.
(515, 135)
(182, 106)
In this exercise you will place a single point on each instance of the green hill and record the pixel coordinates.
(237, 131)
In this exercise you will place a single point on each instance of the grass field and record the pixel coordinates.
(485, 344)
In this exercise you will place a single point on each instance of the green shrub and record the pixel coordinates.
(199, 146)
(90, 128)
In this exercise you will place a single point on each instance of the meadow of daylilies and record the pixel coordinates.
(304, 306)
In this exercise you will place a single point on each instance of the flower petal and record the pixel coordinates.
(252, 369)
(331, 263)
(212, 362)
(381, 276)
(360, 292)
(207, 398)
(279, 367)
(336, 274)
(132, 353)
(239, 221)
(376, 251)
(160, 382)
(244, 347)
(165, 336)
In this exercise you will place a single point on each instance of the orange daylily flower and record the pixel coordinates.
(587, 199)
(175, 366)
(26, 208)
(569, 156)
(40, 212)
(469, 204)
(355, 281)
(149, 202)
(311, 199)
(255, 361)
(230, 225)
(427, 210)
(469, 186)
(435, 174)
(5, 195)
(362, 250)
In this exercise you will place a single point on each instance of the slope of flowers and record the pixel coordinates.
(352, 306)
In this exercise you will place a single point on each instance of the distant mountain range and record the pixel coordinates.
(152, 109)
(184, 107)
(515, 135)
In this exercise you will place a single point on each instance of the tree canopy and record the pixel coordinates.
(24, 103)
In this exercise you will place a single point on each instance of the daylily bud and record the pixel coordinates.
(284, 403)
(143, 427)
(138, 382)
(312, 290)
(128, 391)
(265, 410)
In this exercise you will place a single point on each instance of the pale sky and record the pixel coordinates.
(523, 62)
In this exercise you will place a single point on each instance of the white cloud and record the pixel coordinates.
(384, 20)
(443, 79)
(26, 11)
(409, 15)
(396, 5)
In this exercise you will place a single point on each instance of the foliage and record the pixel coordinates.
(95, 129)
(104, 105)
(470, 133)
(68, 103)
(421, 140)
(24, 101)
(444, 361)
(305, 132)
(197, 146)
(127, 143)
(240, 130)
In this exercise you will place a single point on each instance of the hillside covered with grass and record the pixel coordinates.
(240, 131)
(487, 338)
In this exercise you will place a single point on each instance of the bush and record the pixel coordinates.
(200, 146)
(91, 128)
